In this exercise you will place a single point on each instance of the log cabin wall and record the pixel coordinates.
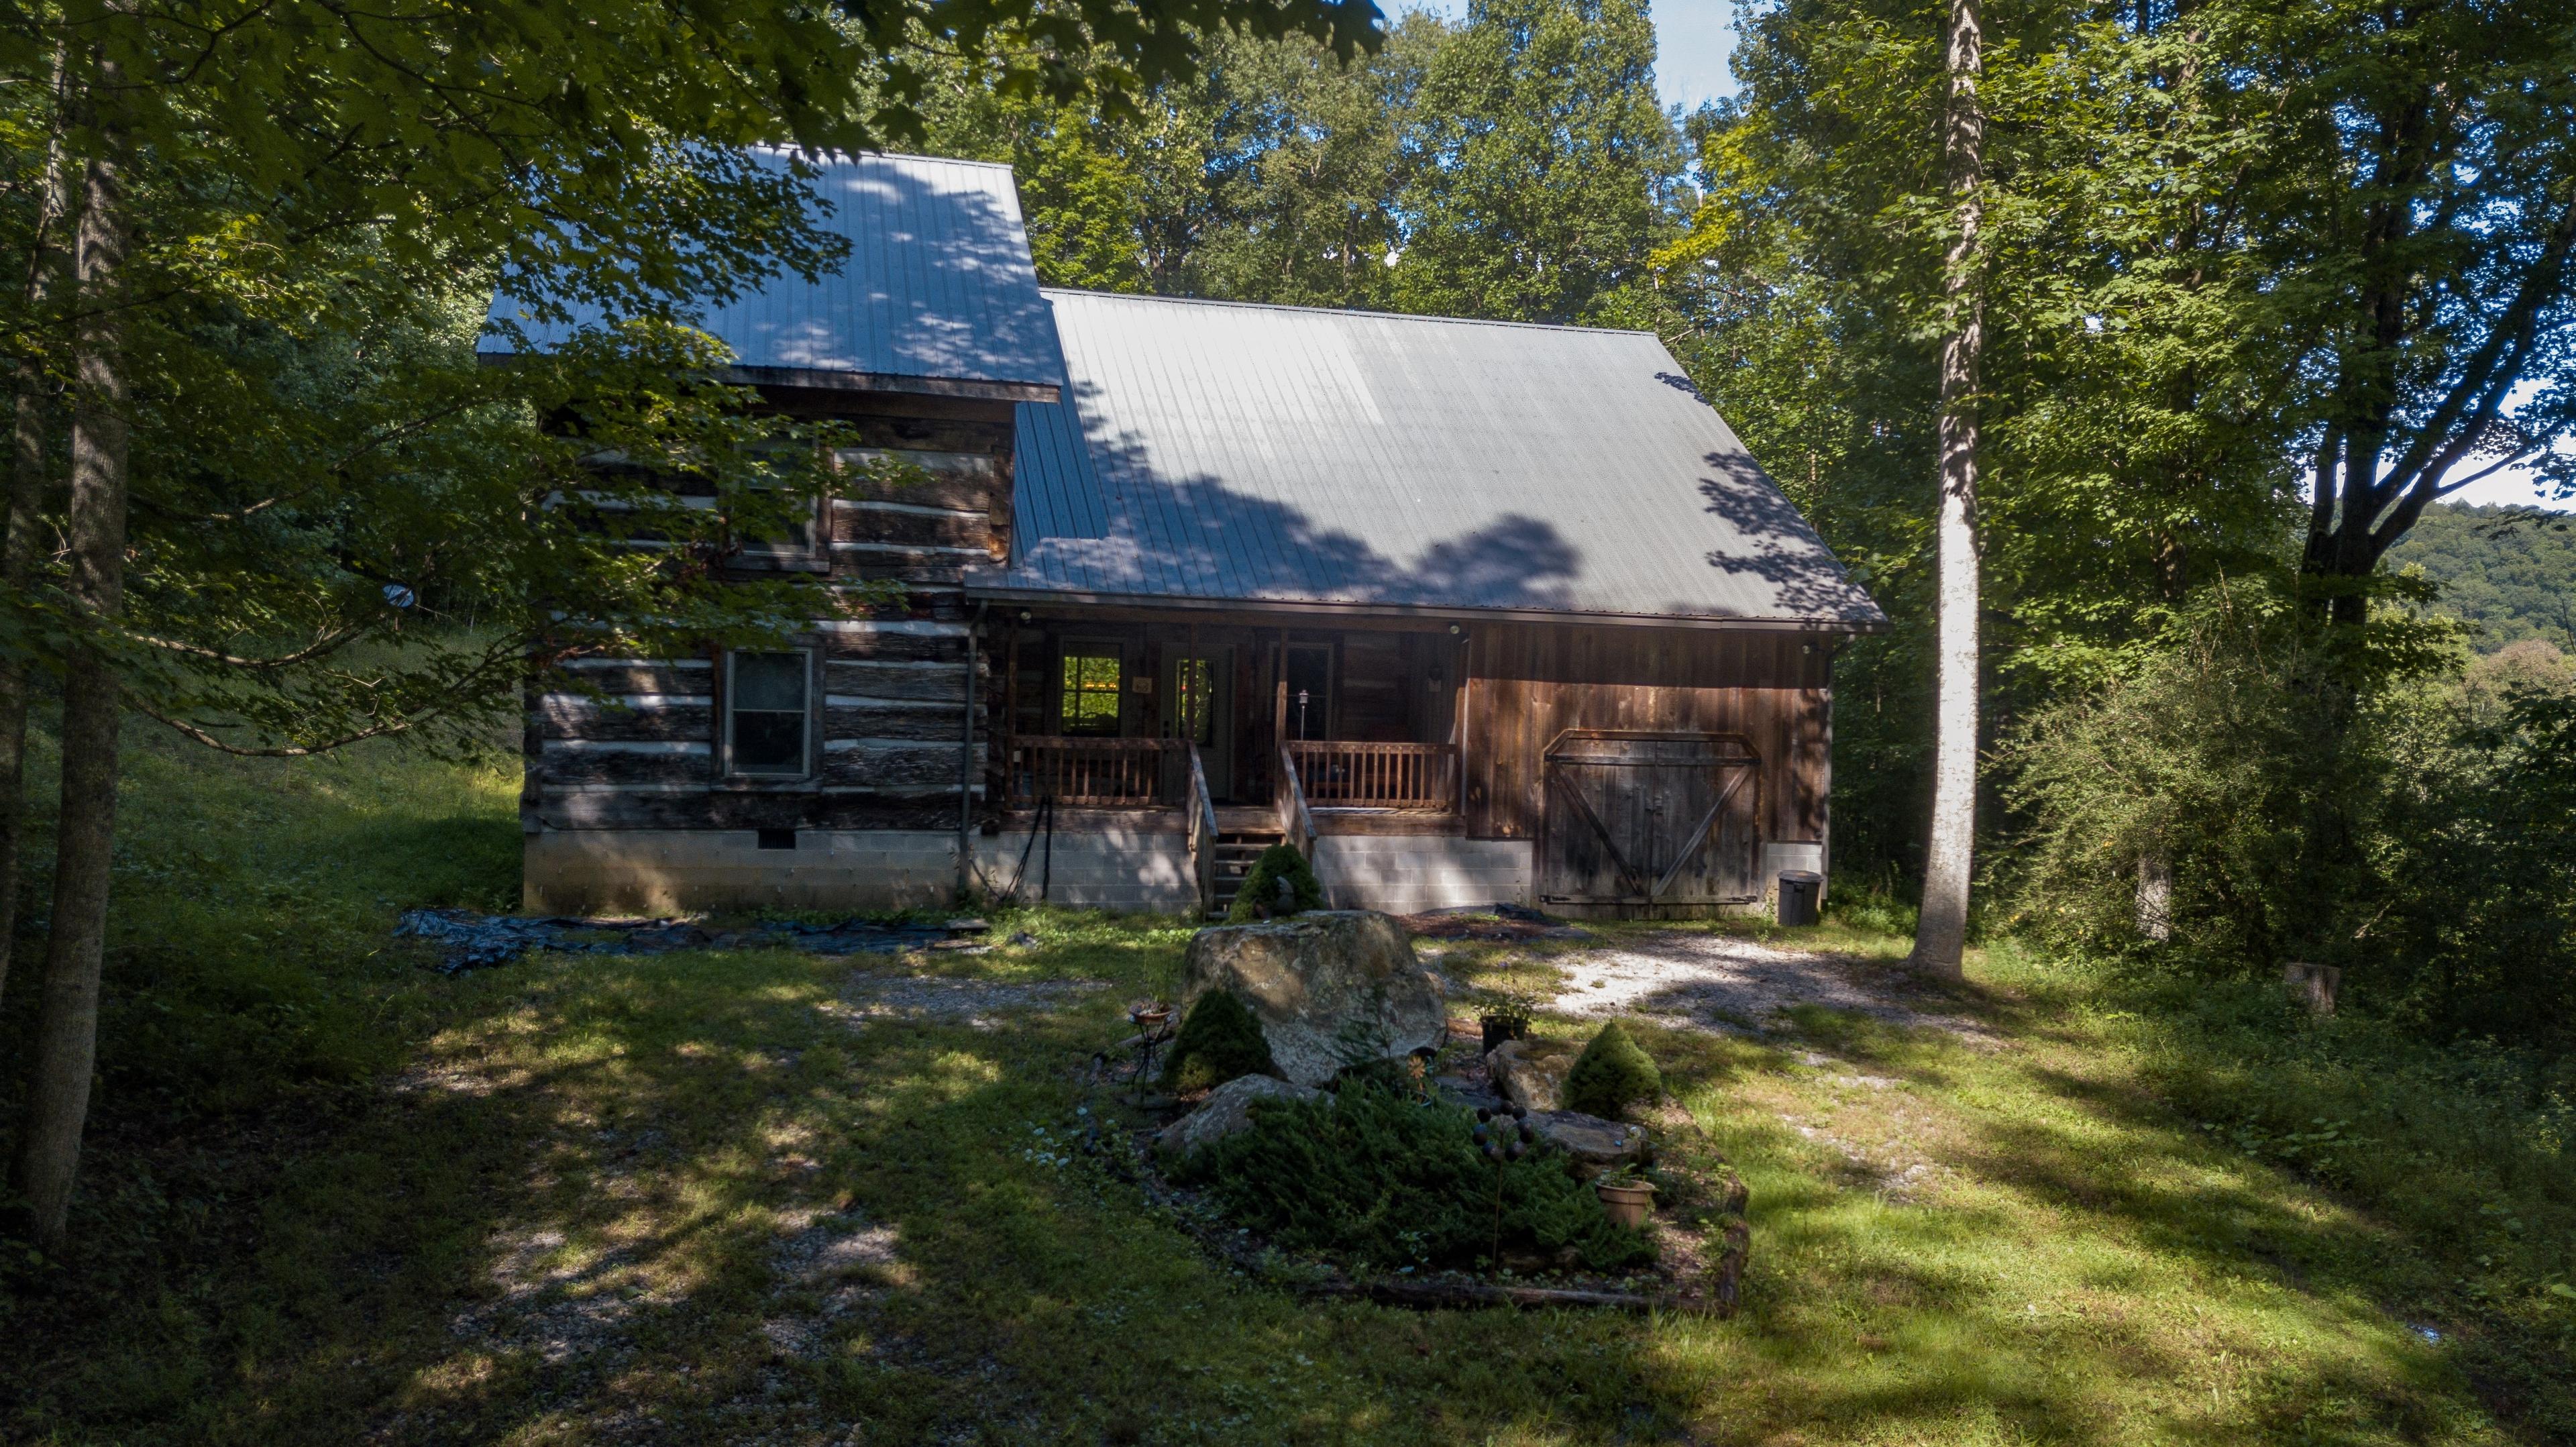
(619, 744)
(1529, 683)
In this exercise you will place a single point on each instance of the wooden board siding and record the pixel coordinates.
(1529, 684)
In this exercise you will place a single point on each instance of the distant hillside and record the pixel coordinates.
(2510, 571)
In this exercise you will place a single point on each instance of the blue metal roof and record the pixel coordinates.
(937, 286)
(1212, 452)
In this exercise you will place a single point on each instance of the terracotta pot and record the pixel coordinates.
(1149, 1020)
(1628, 1202)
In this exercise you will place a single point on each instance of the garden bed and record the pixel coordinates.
(1700, 1238)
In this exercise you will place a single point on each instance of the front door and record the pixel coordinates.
(1198, 703)
(1650, 819)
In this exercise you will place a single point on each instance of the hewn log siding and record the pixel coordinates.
(891, 763)
(586, 761)
(894, 641)
(861, 718)
(632, 675)
(748, 809)
(920, 680)
(624, 717)
(855, 521)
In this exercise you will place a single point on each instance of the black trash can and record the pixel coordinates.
(1801, 891)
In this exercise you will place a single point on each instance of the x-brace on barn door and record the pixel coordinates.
(1650, 819)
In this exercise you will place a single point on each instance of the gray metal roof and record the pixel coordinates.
(1210, 452)
(937, 285)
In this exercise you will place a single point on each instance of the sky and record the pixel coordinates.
(1692, 38)
(1691, 41)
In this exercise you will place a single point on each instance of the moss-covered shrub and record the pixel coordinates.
(1613, 1073)
(1394, 1182)
(1259, 896)
(1219, 1040)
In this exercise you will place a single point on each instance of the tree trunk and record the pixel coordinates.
(2155, 894)
(17, 570)
(1940, 935)
(18, 543)
(66, 1043)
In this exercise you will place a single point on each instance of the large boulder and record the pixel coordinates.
(1530, 1073)
(1227, 1109)
(1330, 987)
(1595, 1144)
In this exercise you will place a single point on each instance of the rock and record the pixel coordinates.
(1595, 1144)
(1329, 987)
(1227, 1109)
(1461, 1091)
(1531, 1073)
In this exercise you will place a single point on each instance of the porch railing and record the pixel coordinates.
(1341, 775)
(1203, 831)
(1091, 773)
(1296, 823)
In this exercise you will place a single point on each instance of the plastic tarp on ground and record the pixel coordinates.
(470, 939)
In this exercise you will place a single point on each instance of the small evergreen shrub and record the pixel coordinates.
(1219, 1040)
(1394, 1182)
(1613, 1073)
(1259, 897)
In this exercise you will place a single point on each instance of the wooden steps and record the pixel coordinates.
(1236, 849)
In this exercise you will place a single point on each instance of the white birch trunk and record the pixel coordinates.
(1940, 936)
(2155, 895)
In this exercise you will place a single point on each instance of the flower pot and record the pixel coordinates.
(1150, 1018)
(1493, 1030)
(1628, 1202)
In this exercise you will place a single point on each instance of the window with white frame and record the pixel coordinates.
(768, 714)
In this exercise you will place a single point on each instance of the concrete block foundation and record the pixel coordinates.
(1407, 874)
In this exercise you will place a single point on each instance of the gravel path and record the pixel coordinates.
(1722, 983)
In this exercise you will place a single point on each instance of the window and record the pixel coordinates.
(773, 524)
(1091, 693)
(765, 714)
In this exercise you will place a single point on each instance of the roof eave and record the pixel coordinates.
(987, 589)
(819, 379)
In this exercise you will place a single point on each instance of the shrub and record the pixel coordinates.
(1259, 896)
(1611, 1074)
(2347, 796)
(1219, 1040)
(1395, 1182)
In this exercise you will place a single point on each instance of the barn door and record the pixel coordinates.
(1650, 819)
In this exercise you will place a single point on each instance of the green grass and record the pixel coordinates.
(332, 1197)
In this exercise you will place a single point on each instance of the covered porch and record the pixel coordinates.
(1235, 735)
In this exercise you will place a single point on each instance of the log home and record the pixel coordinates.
(1467, 611)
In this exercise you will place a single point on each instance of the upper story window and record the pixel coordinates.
(773, 526)
(1090, 702)
(768, 714)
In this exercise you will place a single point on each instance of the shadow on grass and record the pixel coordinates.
(684, 1199)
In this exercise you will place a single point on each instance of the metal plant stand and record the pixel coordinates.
(1151, 1031)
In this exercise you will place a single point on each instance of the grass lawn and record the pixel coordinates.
(332, 1197)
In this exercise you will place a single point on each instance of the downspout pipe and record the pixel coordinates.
(966, 760)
